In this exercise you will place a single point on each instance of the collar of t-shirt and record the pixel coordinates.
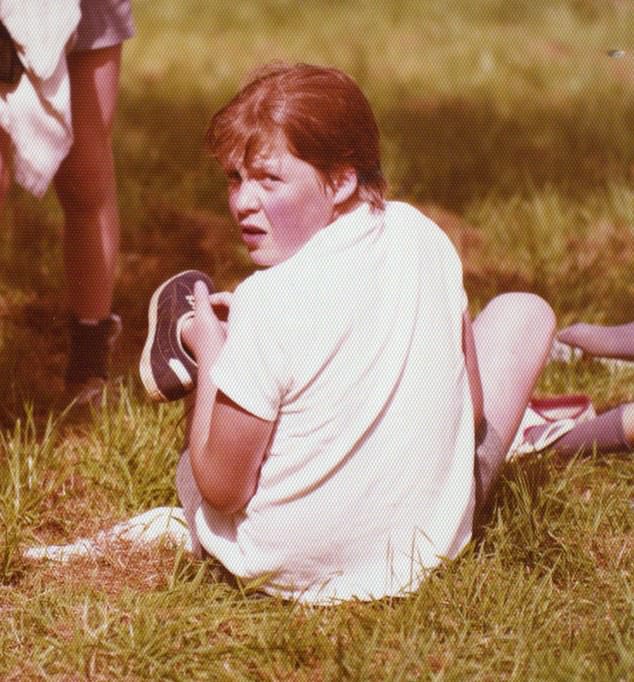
(342, 233)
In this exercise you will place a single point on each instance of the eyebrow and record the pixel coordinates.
(265, 164)
(258, 162)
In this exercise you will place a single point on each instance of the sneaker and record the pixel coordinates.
(167, 370)
(546, 420)
(562, 352)
(89, 357)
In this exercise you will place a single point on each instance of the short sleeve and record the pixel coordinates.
(454, 273)
(251, 367)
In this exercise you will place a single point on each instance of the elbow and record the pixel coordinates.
(226, 504)
(226, 494)
(224, 498)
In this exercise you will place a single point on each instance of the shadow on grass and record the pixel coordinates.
(455, 152)
(450, 153)
(33, 316)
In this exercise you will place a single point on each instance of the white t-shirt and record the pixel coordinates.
(353, 346)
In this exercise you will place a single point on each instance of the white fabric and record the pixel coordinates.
(189, 497)
(354, 347)
(41, 28)
(160, 523)
(36, 114)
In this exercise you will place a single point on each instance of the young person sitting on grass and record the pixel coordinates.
(349, 419)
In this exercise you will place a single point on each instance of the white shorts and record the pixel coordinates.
(103, 23)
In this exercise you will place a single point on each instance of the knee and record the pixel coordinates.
(84, 185)
(539, 314)
(530, 306)
(533, 314)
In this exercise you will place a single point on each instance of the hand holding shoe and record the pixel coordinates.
(203, 334)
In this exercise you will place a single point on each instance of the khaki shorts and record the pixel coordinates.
(490, 455)
(103, 23)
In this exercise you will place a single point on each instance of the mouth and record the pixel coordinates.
(252, 229)
(252, 235)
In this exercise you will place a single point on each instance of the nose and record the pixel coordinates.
(244, 198)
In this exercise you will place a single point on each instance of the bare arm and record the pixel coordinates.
(228, 467)
(473, 371)
(226, 443)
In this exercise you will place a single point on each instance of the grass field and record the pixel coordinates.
(510, 124)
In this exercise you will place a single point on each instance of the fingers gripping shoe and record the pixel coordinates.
(167, 370)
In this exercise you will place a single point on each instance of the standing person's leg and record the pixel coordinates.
(5, 169)
(86, 187)
(513, 336)
(86, 184)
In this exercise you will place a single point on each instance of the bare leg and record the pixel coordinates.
(5, 171)
(600, 341)
(513, 336)
(85, 184)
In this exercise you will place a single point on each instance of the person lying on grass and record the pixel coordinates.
(349, 419)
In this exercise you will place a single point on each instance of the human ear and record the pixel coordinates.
(344, 184)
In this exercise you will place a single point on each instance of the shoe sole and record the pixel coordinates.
(562, 352)
(145, 364)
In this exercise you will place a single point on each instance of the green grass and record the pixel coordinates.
(509, 121)
(545, 593)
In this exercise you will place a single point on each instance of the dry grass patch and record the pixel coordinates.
(120, 567)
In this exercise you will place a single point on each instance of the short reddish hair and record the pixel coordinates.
(322, 113)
